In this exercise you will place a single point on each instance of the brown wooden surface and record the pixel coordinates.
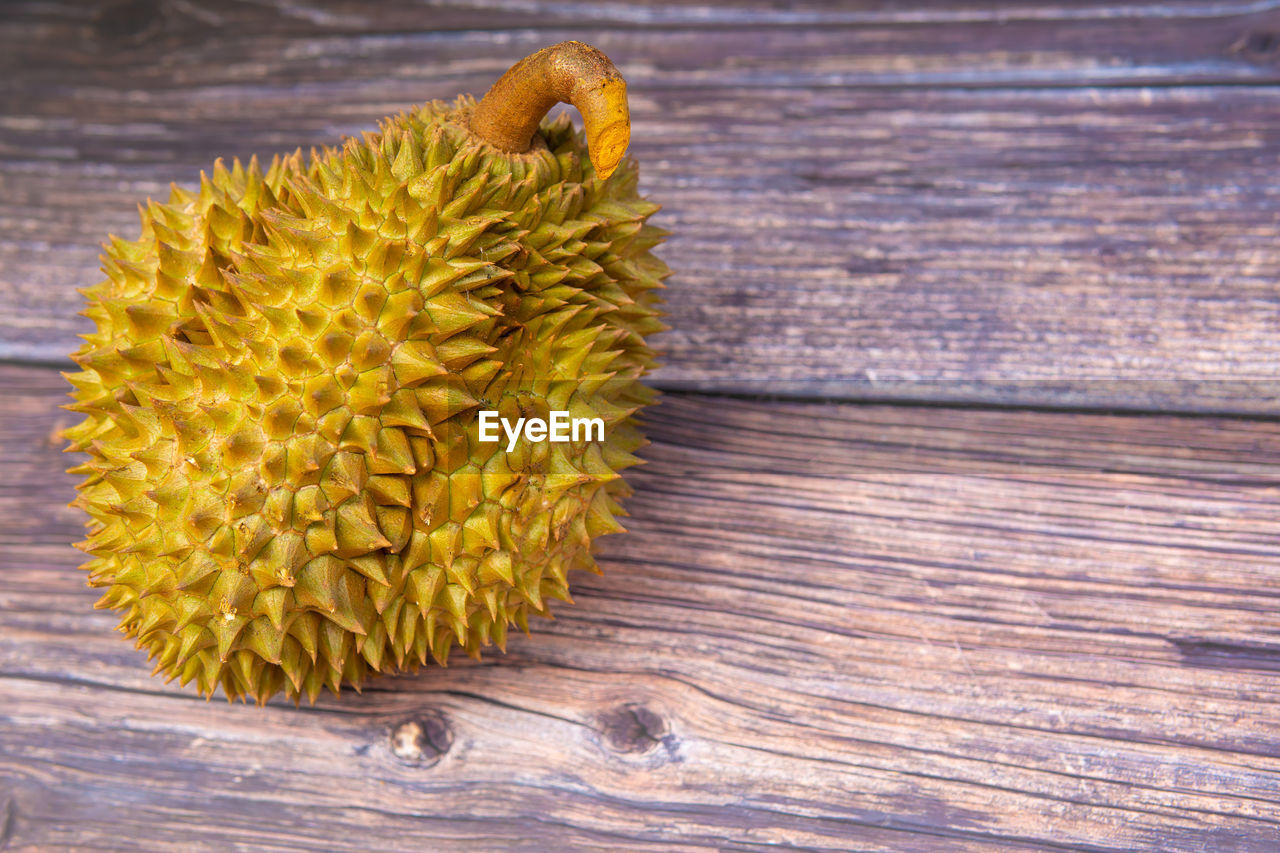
(829, 627)
(1000, 203)
(834, 624)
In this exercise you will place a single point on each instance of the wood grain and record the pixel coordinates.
(1065, 205)
(830, 627)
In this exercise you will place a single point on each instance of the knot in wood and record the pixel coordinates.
(424, 740)
(633, 729)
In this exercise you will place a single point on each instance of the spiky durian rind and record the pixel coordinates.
(284, 477)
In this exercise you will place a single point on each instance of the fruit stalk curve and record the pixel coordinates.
(570, 72)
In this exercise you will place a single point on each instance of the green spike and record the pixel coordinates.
(305, 629)
(426, 583)
(414, 362)
(387, 489)
(264, 639)
(455, 599)
(318, 582)
(391, 453)
(193, 638)
(357, 531)
(272, 604)
(372, 566)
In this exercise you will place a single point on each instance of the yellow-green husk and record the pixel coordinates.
(284, 477)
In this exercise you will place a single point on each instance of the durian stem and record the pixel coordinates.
(573, 72)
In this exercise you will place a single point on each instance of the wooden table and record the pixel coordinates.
(960, 524)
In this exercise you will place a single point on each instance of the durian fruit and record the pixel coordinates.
(285, 481)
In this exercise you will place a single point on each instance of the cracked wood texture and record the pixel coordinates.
(997, 203)
(830, 626)
(838, 624)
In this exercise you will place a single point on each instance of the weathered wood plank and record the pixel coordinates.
(834, 233)
(130, 18)
(830, 627)
(163, 44)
